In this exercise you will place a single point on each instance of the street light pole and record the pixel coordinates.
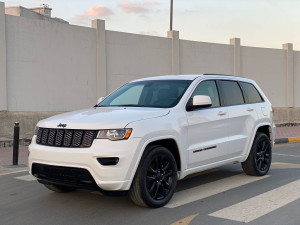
(171, 16)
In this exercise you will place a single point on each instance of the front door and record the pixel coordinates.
(208, 128)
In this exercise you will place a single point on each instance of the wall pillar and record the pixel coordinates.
(101, 76)
(3, 78)
(174, 35)
(236, 42)
(289, 74)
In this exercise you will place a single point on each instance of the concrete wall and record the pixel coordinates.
(268, 68)
(200, 57)
(3, 78)
(60, 67)
(49, 67)
(132, 56)
(297, 78)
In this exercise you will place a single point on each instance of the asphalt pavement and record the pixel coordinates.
(224, 195)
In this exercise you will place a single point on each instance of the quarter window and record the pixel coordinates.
(251, 92)
(232, 93)
(208, 88)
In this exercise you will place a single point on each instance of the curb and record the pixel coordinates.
(287, 140)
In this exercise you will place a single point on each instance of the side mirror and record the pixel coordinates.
(100, 100)
(199, 101)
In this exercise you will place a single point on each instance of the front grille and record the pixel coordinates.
(71, 176)
(65, 137)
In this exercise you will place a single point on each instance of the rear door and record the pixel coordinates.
(207, 128)
(242, 117)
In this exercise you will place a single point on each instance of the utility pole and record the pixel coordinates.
(171, 16)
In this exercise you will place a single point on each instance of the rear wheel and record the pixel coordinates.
(155, 179)
(59, 188)
(259, 160)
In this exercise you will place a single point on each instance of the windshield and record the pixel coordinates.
(150, 93)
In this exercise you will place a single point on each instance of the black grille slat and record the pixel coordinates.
(88, 138)
(59, 137)
(39, 136)
(45, 136)
(65, 137)
(51, 137)
(68, 138)
(77, 138)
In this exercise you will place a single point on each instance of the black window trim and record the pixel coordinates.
(248, 102)
(218, 90)
(223, 102)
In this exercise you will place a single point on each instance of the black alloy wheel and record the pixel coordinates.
(155, 179)
(260, 157)
(159, 177)
(263, 155)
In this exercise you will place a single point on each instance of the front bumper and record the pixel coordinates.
(112, 178)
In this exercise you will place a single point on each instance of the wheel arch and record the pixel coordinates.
(171, 145)
(265, 128)
(165, 141)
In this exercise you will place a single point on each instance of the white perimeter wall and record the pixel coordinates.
(268, 68)
(201, 57)
(50, 66)
(133, 56)
(57, 67)
(297, 79)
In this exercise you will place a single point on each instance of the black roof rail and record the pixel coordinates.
(216, 74)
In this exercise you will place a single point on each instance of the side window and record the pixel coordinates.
(232, 93)
(208, 88)
(251, 92)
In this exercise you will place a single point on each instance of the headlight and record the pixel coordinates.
(114, 134)
(36, 129)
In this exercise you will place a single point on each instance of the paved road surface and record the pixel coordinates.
(223, 196)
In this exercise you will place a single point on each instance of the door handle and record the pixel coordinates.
(250, 109)
(221, 113)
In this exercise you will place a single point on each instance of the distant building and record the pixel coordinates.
(41, 13)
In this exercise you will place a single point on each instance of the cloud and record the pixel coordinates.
(151, 3)
(96, 12)
(139, 8)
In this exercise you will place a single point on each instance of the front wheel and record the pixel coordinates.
(155, 179)
(259, 160)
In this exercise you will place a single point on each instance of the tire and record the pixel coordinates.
(59, 188)
(155, 179)
(259, 160)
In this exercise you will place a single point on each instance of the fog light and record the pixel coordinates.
(111, 161)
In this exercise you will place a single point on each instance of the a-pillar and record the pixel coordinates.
(101, 76)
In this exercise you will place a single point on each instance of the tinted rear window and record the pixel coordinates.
(251, 92)
(232, 93)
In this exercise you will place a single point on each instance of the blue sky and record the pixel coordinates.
(261, 23)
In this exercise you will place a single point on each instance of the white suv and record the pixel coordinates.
(152, 132)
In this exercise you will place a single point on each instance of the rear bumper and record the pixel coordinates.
(111, 178)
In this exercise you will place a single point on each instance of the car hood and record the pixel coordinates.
(102, 117)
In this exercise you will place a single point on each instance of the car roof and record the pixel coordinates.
(193, 77)
(171, 77)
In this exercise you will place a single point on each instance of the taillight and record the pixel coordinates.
(272, 109)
